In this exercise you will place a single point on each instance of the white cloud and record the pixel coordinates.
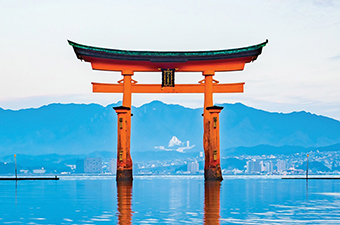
(176, 145)
(174, 141)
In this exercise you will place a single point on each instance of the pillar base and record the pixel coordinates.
(124, 175)
(213, 174)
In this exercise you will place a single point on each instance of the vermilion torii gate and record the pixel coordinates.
(207, 62)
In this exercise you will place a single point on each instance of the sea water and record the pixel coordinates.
(170, 200)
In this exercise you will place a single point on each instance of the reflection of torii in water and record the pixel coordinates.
(211, 202)
(206, 62)
(124, 202)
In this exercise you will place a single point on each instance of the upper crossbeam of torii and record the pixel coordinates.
(168, 63)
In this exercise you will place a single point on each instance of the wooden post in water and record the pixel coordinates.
(15, 162)
(307, 168)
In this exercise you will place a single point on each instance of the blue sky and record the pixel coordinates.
(298, 70)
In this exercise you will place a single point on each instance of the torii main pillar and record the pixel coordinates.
(207, 62)
(124, 161)
(211, 135)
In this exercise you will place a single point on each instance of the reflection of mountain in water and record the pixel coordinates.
(176, 145)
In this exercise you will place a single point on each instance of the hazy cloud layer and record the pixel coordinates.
(293, 72)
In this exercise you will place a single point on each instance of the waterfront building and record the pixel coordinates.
(93, 165)
(89, 165)
(113, 165)
(201, 154)
(281, 166)
(193, 167)
(39, 171)
(253, 166)
(267, 167)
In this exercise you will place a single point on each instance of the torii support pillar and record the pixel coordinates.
(212, 167)
(124, 161)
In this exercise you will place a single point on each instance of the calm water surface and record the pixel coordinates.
(170, 200)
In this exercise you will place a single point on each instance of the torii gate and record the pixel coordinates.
(207, 62)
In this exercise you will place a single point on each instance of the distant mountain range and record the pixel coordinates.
(82, 129)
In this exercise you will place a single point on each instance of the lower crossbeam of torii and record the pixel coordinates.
(167, 63)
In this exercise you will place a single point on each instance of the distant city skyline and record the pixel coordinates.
(298, 70)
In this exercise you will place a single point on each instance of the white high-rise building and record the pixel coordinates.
(193, 167)
(113, 166)
(267, 167)
(281, 166)
(263, 166)
(253, 166)
(270, 166)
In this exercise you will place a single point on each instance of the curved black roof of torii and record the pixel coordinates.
(83, 51)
